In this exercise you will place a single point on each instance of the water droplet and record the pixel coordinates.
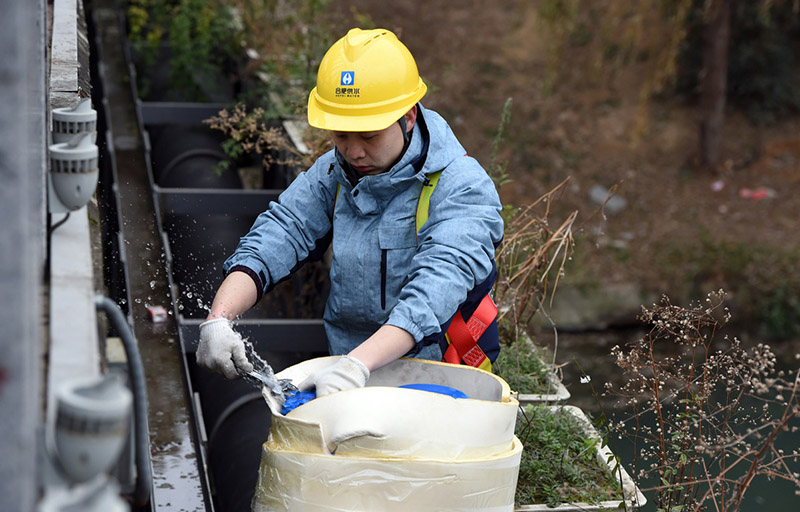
(152, 285)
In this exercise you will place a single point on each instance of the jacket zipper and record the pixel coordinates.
(383, 278)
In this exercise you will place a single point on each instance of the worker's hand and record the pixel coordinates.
(221, 349)
(346, 373)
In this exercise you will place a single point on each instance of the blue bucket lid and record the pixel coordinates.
(436, 388)
(296, 399)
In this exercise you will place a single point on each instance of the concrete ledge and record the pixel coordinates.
(64, 54)
(74, 349)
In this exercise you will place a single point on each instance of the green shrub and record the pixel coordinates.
(523, 366)
(197, 37)
(559, 461)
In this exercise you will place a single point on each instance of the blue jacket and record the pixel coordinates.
(383, 271)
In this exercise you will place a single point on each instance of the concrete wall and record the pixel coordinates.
(48, 325)
(22, 251)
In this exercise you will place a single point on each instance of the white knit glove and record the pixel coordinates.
(221, 349)
(346, 373)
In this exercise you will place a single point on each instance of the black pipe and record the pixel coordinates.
(144, 477)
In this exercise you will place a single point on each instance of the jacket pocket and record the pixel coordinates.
(397, 244)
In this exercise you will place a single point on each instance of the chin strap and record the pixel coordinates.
(406, 135)
(406, 139)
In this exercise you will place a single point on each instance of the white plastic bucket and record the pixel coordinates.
(388, 448)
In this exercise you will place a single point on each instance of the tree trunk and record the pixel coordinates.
(714, 82)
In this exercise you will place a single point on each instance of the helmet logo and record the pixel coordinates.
(346, 89)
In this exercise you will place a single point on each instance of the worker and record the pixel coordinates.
(394, 290)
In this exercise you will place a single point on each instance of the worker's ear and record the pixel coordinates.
(411, 118)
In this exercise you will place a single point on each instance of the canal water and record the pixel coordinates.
(590, 352)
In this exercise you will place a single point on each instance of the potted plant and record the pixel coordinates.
(567, 466)
(523, 366)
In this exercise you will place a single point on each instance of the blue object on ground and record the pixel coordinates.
(436, 388)
(297, 399)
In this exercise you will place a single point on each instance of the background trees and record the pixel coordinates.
(715, 53)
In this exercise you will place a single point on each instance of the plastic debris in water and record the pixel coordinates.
(157, 314)
(756, 194)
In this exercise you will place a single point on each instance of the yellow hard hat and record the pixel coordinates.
(366, 81)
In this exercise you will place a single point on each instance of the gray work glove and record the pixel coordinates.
(221, 349)
(346, 373)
